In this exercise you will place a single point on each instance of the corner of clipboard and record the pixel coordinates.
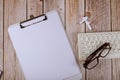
(12, 27)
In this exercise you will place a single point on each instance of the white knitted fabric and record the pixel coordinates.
(89, 42)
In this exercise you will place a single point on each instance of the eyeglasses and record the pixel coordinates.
(93, 59)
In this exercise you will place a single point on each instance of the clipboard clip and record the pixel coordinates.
(33, 20)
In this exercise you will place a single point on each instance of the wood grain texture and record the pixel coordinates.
(14, 11)
(115, 22)
(101, 72)
(100, 22)
(75, 9)
(100, 15)
(58, 5)
(34, 7)
(115, 69)
(115, 14)
(1, 35)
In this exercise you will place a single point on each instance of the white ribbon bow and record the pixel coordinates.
(85, 19)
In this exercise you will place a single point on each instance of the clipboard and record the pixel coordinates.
(43, 49)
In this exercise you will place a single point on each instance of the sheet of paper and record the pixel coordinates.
(43, 50)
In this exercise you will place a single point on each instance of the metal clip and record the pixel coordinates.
(32, 18)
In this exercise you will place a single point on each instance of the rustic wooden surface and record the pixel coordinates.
(105, 16)
(1, 35)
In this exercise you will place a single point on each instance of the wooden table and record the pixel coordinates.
(104, 16)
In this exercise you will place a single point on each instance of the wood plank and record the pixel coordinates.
(58, 5)
(14, 11)
(115, 69)
(115, 5)
(1, 36)
(100, 15)
(34, 7)
(101, 72)
(100, 21)
(75, 9)
(115, 20)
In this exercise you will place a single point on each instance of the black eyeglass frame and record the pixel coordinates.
(93, 56)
